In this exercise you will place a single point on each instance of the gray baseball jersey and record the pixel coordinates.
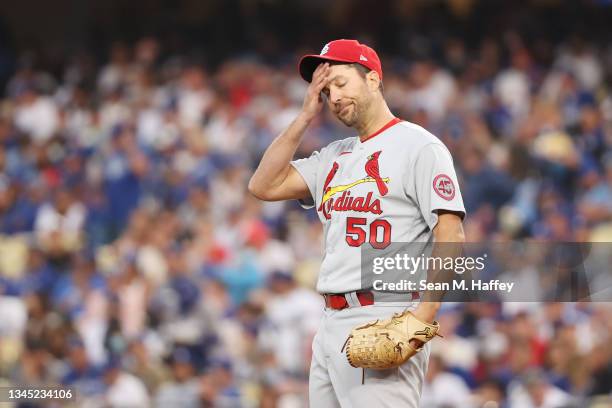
(382, 190)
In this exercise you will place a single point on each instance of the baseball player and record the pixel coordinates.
(394, 181)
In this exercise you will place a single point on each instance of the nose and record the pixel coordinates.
(334, 95)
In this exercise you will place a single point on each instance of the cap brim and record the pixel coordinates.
(309, 63)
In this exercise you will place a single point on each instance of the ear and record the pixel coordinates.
(373, 80)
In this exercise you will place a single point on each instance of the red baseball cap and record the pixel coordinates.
(350, 51)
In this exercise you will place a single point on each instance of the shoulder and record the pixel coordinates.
(338, 146)
(416, 135)
(342, 144)
(415, 140)
(324, 155)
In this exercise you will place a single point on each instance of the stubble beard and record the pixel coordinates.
(357, 115)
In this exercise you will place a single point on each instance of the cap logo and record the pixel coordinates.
(362, 58)
(325, 49)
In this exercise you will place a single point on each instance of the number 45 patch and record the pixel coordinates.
(444, 187)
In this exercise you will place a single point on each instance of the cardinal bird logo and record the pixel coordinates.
(372, 170)
(347, 202)
(330, 176)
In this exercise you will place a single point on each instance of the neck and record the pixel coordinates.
(374, 120)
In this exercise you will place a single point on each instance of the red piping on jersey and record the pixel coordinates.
(382, 129)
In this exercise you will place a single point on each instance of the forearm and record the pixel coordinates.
(274, 165)
(449, 238)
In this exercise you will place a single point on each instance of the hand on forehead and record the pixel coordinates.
(338, 74)
(336, 69)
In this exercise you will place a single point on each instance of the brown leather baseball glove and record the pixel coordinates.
(384, 344)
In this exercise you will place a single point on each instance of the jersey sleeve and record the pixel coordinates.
(435, 183)
(308, 168)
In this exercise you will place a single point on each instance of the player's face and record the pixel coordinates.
(347, 94)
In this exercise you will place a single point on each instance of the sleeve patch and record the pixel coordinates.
(444, 187)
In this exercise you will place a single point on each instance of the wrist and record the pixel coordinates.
(427, 310)
(432, 306)
(305, 117)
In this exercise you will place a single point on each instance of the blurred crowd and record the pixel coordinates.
(135, 266)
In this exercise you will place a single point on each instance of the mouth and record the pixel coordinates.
(344, 110)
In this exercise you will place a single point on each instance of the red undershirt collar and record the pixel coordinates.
(382, 129)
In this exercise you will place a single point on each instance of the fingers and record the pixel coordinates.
(320, 76)
(416, 344)
(320, 68)
(314, 98)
